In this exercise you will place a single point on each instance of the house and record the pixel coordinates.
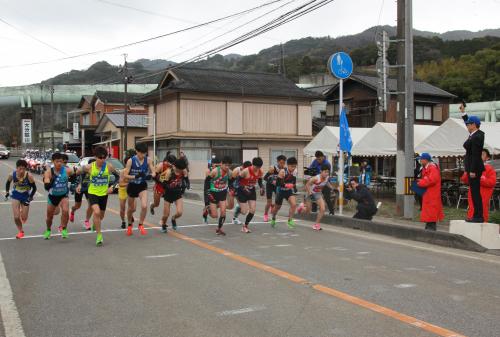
(486, 111)
(110, 131)
(363, 110)
(239, 114)
(93, 107)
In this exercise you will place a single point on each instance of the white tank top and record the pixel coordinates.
(318, 184)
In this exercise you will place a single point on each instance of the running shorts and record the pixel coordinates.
(246, 194)
(283, 194)
(102, 201)
(133, 190)
(217, 196)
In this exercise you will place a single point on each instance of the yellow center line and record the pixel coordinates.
(318, 287)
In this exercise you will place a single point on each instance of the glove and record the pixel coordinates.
(140, 175)
(148, 177)
(288, 186)
(262, 191)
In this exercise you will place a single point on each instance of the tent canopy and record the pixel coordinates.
(381, 140)
(448, 139)
(327, 140)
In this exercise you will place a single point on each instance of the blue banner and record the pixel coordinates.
(345, 133)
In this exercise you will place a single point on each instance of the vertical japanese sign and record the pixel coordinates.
(76, 131)
(26, 130)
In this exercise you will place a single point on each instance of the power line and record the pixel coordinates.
(32, 37)
(144, 40)
(279, 21)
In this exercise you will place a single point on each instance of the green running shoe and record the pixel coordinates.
(46, 234)
(99, 240)
(291, 224)
(273, 223)
(64, 233)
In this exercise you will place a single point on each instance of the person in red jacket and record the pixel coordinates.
(432, 206)
(487, 183)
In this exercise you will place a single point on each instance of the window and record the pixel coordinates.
(287, 153)
(197, 154)
(423, 112)
(86, 119)
(234, 154)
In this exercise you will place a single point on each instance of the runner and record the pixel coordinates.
(214, 162)
(235, 183)
(136, 171)
(161, 170)
(314, 187)
(99, 188)
(247, 197)
(174, 188)
(56, 183)
(23, 191)
(270, 179)
(286, 187)
(219, 181)
(122, 196)
(81, 190)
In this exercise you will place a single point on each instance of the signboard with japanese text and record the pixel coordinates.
(26, 130)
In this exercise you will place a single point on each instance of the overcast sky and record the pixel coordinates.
(52, 29)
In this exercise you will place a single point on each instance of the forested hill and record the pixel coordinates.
(308, 55)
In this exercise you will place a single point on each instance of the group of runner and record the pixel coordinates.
(222, 186)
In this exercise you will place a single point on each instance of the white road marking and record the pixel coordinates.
(159, 256)
(241, 311)
(405, 285)
(363, 253)
(282, 245)
(457, 281)
(10, 316)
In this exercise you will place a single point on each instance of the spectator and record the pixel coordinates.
(432, 206)
(417, 174)
(365, 173)
(473, 163)
(366, 207)
(487, 183)
(327, 192)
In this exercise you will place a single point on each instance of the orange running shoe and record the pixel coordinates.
(142, 230)
(20, 235)
(129, 230)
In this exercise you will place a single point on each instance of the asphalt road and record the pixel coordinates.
(272, 282)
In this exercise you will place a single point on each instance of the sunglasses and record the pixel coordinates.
(101, 157)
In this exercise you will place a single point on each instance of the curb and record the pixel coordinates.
(438, 238)
(402, 232)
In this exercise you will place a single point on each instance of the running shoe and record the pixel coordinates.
(72, 216)
(317, 227)
(142, 230)
(174, 224)
(245, 229)
(152, 208)
(124, 225)
(219, 231)
(87, 225)
(99, 240)
(291, 224)
(164, 228)
(236, 221)
(273, 223)
(300, 209)
(266, 218)
(20, 235)
(205, 215)
(64, 233)
(46, 234)
(129, 230)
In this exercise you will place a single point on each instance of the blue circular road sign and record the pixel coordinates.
(340, 65)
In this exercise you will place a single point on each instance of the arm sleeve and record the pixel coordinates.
(465, 117)
(33, 190)
(261, 185)
(7, 186)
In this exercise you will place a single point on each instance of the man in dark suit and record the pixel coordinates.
(473, 163)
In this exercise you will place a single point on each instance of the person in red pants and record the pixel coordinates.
(487, 183)
(432, 207)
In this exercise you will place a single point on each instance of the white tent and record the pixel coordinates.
(381, 140)
(448, 139)
(327, 140)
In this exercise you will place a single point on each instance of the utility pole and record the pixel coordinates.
(126, 80)
(405, 110)
(52, 115)
(42, 124)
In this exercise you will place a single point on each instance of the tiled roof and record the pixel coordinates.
(420, 87)
(116, 118)
(231, 82)
(116, 96)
